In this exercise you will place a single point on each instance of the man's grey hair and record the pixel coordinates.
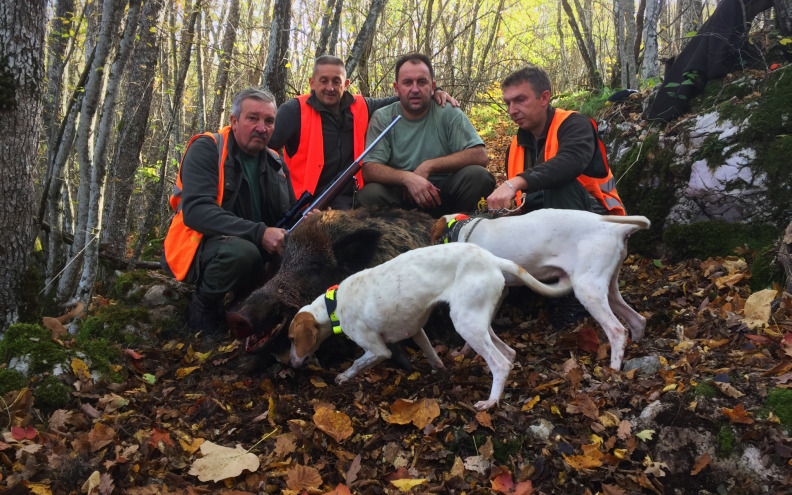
(252, 93)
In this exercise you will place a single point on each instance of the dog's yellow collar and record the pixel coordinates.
(331, 303)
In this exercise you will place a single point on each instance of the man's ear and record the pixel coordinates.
(354, 251)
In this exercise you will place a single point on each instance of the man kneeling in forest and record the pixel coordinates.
(230, 191)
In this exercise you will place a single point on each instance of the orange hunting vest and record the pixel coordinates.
(182, 242)
(604, 189)
(306, 164)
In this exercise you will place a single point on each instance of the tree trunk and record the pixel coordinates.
(625, 40)
(93, 92)
(188, 38)
(132, 131)
(690, 21)
(639, 30)
(100, 152)
(427, 44)
(783, 16)
(274, 77)
(64, 11)
(199, 75)
(256, 74)
(22, 32)
(221, 81)
(331, 20)
(650, 68)
(364, 36)
(594, 76)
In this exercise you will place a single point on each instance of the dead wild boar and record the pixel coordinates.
(323, 250)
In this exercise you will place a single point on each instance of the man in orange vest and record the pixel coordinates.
(556, 158)
(230, 192)
(324, 131)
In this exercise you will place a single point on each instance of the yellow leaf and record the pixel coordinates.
(554, 410)
(318, 382)
(757, 308)
(80, 369)
(596, 439)
(785, 41)
(530, 404)
(645, 435)
(193, 446)
(229, 348)
(619, 453)
(38, 489)
(582, 462)
(405, 485)
(182, 372)
(669, 387)
(414, 376)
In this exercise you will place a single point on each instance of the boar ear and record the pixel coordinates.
(355, 251)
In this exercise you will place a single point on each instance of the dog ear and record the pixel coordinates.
(355, 250)
(438, 229)
(304, 332)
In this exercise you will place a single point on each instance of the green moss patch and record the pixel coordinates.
(112, 323)
(779, 400)
(716, 238)
(33, 341)
(11, 380)
(726, 440)
(705, 389)
(51, 394)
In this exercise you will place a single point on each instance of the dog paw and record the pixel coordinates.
(485, 404)
(341, 379)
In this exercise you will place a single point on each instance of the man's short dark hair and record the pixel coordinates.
(258, 94)
(533, 75)
(329, 60)
(414, 58)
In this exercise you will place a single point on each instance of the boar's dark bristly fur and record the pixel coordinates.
(326, 248)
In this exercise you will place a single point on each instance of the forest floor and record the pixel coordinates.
(709, 411)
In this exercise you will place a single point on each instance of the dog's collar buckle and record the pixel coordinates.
(331, 303)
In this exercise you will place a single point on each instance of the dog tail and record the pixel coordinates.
(639, 221)
(560, 288)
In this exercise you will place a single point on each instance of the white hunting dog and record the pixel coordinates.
(392, 301)
(582, 249)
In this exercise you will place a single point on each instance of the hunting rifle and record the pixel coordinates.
(298, 211)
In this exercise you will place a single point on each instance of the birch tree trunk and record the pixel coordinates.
(364, 36)
(100, 154)
(690, 19)
(625, 39)
(93, 88)
(274, 77)
(221, 81)
(650, 67)
(58, 42)
(199, 75)
(22, 32)
(132, 131)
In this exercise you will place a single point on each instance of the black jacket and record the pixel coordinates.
(235, 216)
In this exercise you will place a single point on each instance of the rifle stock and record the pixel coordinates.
(337, 186)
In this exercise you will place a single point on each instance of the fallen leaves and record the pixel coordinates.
(420, 413)
(334, 423)
(219, 463)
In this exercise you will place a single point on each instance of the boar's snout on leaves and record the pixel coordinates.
(323, 250)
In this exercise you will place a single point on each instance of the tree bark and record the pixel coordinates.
(783, 16)
(100, 152)
(427, 44)
(58, 42)
(274, 77)
(639, 30)
(650, 68)
(594, 76)
(22, 34)
(188, 38)
(93, 92)
(364, 36)
(221, 81)
(331, 20)
(132, 131)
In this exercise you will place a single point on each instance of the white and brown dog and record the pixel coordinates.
(392, 301)
(580, 248)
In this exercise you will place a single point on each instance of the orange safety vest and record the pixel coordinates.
(604, 189)
(182, 242)
(306, 164)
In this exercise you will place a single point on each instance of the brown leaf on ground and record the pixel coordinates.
(334, 423)
(303, 478)
(738, 414)
(700, 464)
(420, 413)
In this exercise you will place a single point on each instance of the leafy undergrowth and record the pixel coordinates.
(714, 418)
